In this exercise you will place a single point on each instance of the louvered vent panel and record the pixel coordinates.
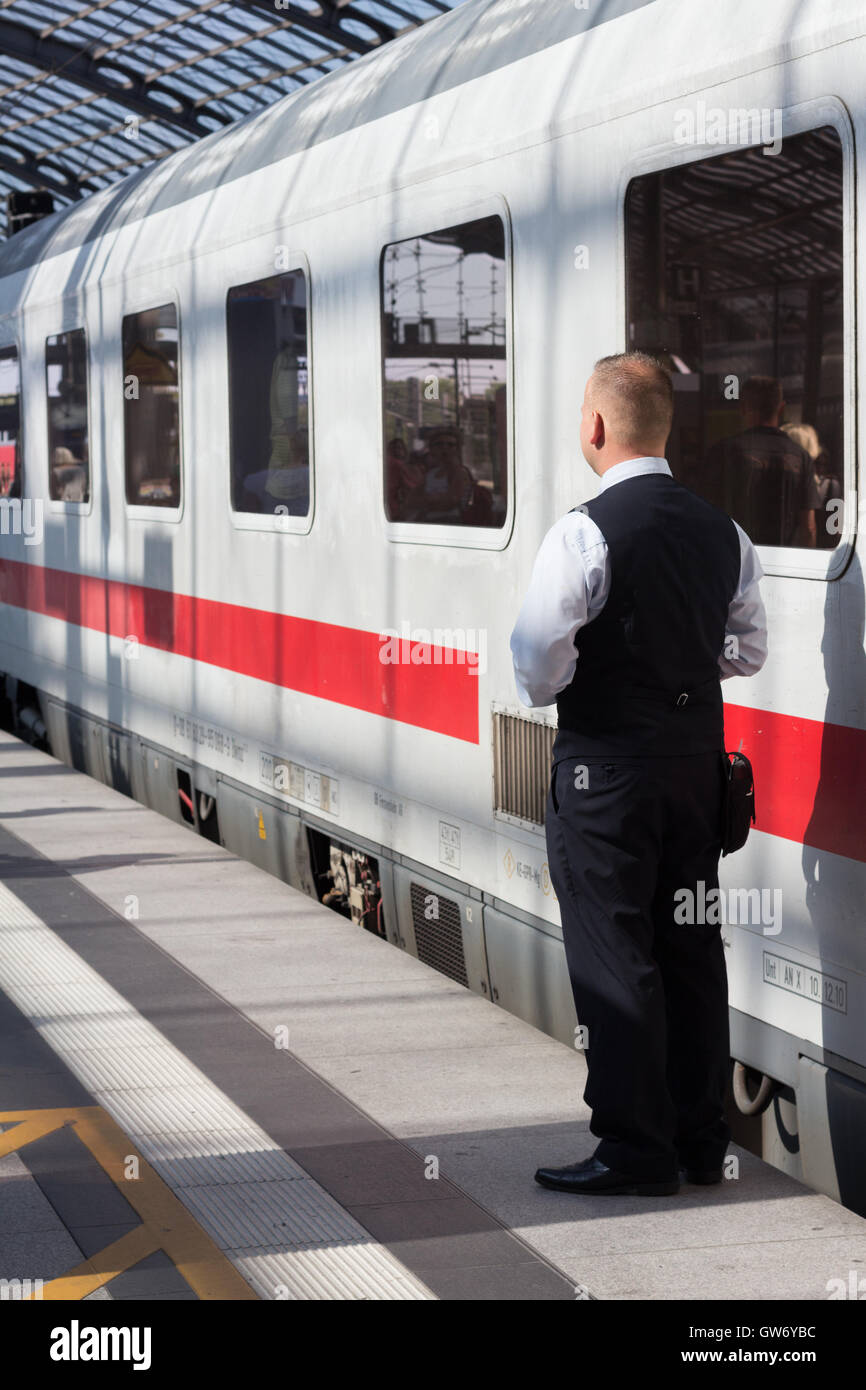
(439, 937)
(522, 750)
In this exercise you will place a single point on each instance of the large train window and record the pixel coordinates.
(10, 423)
(734, 275)
(66, 386)
(444, 372)
(151, 407)
(269, 406)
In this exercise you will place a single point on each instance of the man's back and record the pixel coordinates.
(625, 624)
(674, 566)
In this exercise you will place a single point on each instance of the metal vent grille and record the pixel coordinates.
(522, 750)
(438, 933)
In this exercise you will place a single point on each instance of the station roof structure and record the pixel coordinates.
(93, 90)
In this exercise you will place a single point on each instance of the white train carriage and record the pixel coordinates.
(285, 418)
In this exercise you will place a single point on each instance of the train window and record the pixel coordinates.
(269, 406)
(10, 423)
(734, 275)
(444, 373)
(66, 385)
(151, 407)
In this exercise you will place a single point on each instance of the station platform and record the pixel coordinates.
(213, 1087)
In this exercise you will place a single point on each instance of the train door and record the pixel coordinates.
(739, 272)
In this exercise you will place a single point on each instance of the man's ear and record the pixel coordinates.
(596, 434)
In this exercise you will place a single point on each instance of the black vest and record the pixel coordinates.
(647, 676)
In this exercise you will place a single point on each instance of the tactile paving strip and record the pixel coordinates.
(283, 1232)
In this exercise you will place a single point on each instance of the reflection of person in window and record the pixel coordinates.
(828, 488)
(67, 407)
(287, 487)
(449, 493)
(67, 414)
(762, 478)
(402, 481)
(68, 476)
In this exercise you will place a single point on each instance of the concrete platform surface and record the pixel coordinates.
(212, 1010)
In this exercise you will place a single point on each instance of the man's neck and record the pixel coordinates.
(626, 458)
(633, 468)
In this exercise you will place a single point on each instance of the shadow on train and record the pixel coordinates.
(828, 875)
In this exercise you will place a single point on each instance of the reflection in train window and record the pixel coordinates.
(66, 387)
(269, 408)
(444, 340)
(10, 423)
(734, 276)
(151, 407)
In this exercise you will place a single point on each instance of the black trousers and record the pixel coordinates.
(625, 836)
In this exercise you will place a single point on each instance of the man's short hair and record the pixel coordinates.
(761, 396)
(635, 394)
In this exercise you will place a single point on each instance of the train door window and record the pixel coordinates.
(269, 395)
(10, 423)
(444, 370)
(66, 387)
(151, 407)
(735, 277)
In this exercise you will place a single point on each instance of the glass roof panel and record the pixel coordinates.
(73, 72)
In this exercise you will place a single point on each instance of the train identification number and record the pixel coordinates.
(808, 983)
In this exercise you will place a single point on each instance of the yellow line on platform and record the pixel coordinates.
(28, 1129)
(167, 1225)
(92, 1274)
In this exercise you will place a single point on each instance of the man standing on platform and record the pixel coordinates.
(640, 602)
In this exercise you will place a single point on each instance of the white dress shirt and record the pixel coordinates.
(569, 587)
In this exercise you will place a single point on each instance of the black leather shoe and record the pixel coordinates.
(595, 1178)
(702, 1177)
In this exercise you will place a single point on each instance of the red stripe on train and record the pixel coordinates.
(326, 660)
(808, 777)
(807, 773)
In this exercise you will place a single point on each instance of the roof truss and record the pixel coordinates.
(93, 89)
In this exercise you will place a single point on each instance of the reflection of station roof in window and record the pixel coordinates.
(740, 221)
(482, 237)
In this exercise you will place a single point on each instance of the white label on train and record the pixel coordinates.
(449, 844)
(808, 983)
(300, 783)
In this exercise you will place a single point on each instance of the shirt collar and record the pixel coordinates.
(633, 468)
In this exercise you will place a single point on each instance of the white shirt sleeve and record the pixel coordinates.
(569, 586)
(745, 649)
